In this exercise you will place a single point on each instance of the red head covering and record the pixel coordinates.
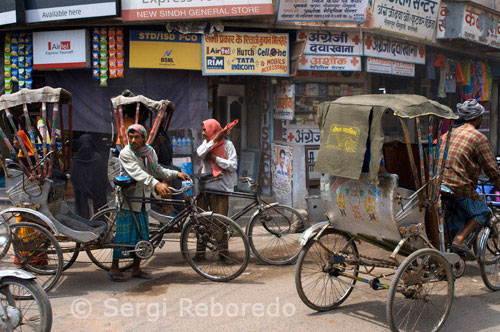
(27, 143)
(212, 127)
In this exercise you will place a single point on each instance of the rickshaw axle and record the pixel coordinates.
(375, 283)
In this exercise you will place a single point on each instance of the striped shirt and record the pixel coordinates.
(468, 154)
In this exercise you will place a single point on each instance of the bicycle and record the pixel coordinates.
(201, 229)
(273, 228)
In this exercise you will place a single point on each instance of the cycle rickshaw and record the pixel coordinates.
(385, 210)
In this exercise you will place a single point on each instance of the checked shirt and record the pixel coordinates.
(468, 154)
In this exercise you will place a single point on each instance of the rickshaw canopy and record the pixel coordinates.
(149, 104)
(42, 95)
(351, 125)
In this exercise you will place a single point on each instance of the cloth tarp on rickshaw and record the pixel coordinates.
(151, 105)
(43, 95)
(345, 127)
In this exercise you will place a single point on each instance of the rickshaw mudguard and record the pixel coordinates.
(256, 213)
(35, 213)
(17, 274)
(313, 230)
(482, 243)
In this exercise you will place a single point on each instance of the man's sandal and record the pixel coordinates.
(117, 277)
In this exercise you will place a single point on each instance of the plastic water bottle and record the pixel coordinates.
(184, 145)
(174, 145)
(189, 145)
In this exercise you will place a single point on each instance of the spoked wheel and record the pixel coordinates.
(489, 258)
(34, 249)
(70, 251)
(215, 247)
(103, 257)
(274, 234)
(421, 292)
(322, 266)
(27, 304)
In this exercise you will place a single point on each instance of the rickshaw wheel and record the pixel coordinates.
(103, 256)
(421, 292)
(489, 258)
(70, 250)
(318, 281)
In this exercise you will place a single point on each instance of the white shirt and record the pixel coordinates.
(227, 180)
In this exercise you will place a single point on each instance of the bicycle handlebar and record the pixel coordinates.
(184, 188)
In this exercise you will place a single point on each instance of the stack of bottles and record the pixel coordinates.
(182, 145)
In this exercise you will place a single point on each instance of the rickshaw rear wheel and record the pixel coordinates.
(421, 292)
(489, 258)
(317, 280)
(103, 257)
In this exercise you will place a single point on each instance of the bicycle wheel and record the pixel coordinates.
(70, 251)
(36, 250)
(421, 292)
(489, 258)
(273, 235)
(103, 257)
(27, 304)
(319, 277)
(215, 246)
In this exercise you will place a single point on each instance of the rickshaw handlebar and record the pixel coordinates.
(184, 188)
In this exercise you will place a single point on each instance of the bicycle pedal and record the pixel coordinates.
(161, 244)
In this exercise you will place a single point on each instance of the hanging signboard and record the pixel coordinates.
(11, 12)
(332, 43)
(61, 49)
(383, 66)
(412, 18)
(147, 10)
(284, 102)
(330, 62)
(241, 53)
(378, 46)
(164, 50)
(322, 10)
(300, 134)
(466, 21)
(52, 10)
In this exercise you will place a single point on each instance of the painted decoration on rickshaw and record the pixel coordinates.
(331, 42)
(284, 101)
(242, 53)
(411, 18)
(148, 10)
(165, 50)
(322, 10)
(343, 138)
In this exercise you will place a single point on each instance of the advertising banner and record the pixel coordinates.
(378, 46)
(383, 66)
(164, 50)
(284, 102)
(147, 10)
(10, 12)
(55, 10)
(322, 10)
(332, 43)
(61, 49)
(241, 53)
(330, 62)
(412, 18)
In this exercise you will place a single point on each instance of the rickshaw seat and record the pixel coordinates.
(75, 222)
(124, 181)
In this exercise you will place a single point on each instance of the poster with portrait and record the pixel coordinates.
(282, 168)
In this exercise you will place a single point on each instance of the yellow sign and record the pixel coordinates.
(344, 138)
(155, 49)
(240, 53)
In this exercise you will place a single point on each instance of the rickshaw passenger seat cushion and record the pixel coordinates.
(124, 181)
(77, 223)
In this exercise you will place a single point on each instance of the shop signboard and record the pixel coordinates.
(300, 134)
(322, 10)
(242, 53)
(330, 62)
(55, 10)
(411, 18)
(466, 21)
(149, 10)
(384, 66)
(332, 43)
(284, 101)
(11, 12)
(383, 47)
(61, 49)
(164, 50)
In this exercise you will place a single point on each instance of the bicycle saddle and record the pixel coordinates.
(124, 181)
(446, 191)
(202, 176)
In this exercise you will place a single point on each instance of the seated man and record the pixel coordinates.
(469, 153)
(139, 161)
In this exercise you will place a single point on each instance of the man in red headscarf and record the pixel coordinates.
(219, 158)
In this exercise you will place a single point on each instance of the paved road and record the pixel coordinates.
(263, 298)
